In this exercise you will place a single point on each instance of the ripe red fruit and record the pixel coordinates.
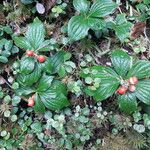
(41, 58)
(133, 80)
(122, 90)
(30, 102)
(132, 88)
(29, 53)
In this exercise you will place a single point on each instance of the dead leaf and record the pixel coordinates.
(137, 30)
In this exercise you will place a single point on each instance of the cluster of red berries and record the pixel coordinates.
(131, 86)
(31, 101)
(40, 58)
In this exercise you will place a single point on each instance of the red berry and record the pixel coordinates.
(122, 90)
(41, 58)
(133, 80)
(132, 88)
(30, 102)
(29, 53)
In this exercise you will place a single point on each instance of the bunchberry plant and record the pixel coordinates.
(93, 17)
(121, 27)
(90, 17)
(36, 72)
(127, 78)
(37, 82)
(34, 39)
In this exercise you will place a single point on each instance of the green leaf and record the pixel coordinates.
(54, 100)
(77, 28)
(55, 97)
(8, 29)
(36, 127)
(106, 89)
(14, 49)
(104, 72)
(120, 19)
(36, 33)
(128, 103)
(58, 86)
(81, 6)
(146, 2)
(39, 106)
(5, 53)
(143, 91)
(8, 45)
(24, 91)
(23, 43)
(108, 83)
(121, 62)
(45, 46)
(55, 62)
(123, 31)
(121, 26)
(54, 103)
(27, 65)
(30, 79)
(3, 59)
(140, 69)
(102, 8)
(96, 23)
(62, 71)
(2, 42)
(44, 83)
(101, 72)
(46, 66)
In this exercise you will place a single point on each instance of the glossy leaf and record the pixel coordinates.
(54, 98)
(39, 106)
(36, 33)
(24, 90)
(54, 103)
(44, 83)
(23, 43)
(143, 91)
(140, 69)
(104, 72)
(128, 103)
(54, 64)
(46, 66)
(29, 79)
(109, 81)
(102, 8)
(45, 46)
(81, 6)
(59, 87)
(96, 23)
(106, 89)
(121, 62)
(77, 28)
(27, 65)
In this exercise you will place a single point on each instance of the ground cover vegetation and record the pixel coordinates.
(75, 75)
